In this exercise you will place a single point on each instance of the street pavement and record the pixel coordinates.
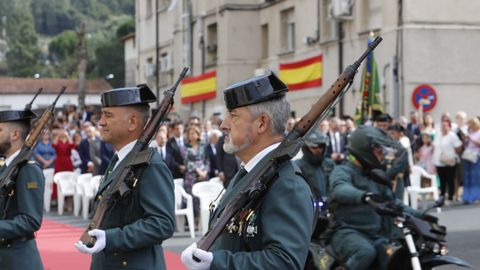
(462, 222)
(463, 228)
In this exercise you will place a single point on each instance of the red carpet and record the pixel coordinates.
(55, 242)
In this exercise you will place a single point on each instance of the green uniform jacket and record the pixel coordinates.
(347, 186)
(317, 175)
(274, 236)
(24, 218)
(137, 224)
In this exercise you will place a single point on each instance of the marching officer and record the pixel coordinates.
(22, 210)
(315, 166)
(136, 225)
(274, 235)
(360, 232)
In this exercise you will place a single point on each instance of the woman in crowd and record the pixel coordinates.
(196, 163)
(428, 125)
(44, 152)
(63, 146)
(76, 160)
(424, 154)
(446, 146)
(471, 175)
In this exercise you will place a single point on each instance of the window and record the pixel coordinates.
(212, 44)
(264, 37)
(288, 30)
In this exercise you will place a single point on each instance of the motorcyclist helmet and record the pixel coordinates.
(364, 140)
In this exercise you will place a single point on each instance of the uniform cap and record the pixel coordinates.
(16, 115)
(140, 94)
(254, 90)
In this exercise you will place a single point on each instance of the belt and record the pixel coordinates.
(7, 242)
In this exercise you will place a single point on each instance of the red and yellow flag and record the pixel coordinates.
(302, 74)
(199, 88)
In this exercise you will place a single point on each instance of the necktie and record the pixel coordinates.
(240, 174)
(161, 153)
(113, 162)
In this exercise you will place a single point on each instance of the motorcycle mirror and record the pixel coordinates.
(381, 177)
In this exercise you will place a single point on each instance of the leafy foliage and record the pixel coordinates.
(42, 36)
(24, 54)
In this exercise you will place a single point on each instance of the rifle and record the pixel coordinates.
(29, 105)
(8, 176)
(261, 177)
(139, 157)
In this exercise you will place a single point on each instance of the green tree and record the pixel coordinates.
(63, 45)
(52, 17)
(126, 28)
(110, 59)
(24, 52)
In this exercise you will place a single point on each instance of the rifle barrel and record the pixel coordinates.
(29, 105)
(59, 94)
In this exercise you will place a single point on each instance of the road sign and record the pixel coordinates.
(426, 96)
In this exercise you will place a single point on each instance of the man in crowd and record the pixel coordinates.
(176, 146)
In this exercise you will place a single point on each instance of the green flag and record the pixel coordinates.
(369, 89)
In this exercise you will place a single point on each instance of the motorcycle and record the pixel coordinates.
(423, 245)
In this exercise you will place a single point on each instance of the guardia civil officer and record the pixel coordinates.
(360, 231)
(24, 212)
(276, 234)
(315, 166)
(134, 228)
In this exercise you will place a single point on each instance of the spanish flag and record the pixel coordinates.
(199, 88)
(302, 74)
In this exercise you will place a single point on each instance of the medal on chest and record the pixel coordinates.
(243, 224)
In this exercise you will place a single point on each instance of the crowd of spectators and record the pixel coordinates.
(193, 150)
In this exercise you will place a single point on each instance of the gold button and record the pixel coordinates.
(115, 254)
(99, 197)
(124, 263)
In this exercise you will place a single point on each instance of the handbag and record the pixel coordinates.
(446, 160)
(470, 155)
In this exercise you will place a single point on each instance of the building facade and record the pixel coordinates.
(429, 42)
(17, 92)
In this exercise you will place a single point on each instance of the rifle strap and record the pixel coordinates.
(138, 172)
(9, 196)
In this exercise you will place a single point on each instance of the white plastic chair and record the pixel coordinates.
(180, 194)
(416, 189)
(90, 188)
(65, 187)
(95, 181)
(216, 180)
(81, 181)
(207, 192)
(178, 181)
(47, 195)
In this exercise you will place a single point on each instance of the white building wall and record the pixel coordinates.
(438, 47)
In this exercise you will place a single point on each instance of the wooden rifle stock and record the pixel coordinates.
(260, 178)
(8, 176)
(127, 177)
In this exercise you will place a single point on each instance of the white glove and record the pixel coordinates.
(99, 244)
(205, 258)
